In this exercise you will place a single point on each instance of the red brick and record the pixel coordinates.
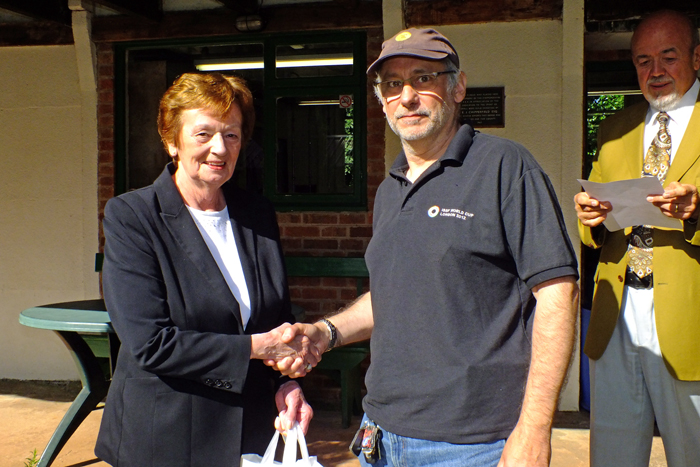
(291, 244)
(353, 218)
(294, 293)
(106, 192)
(106, 69)
(105, 121)
(334, 231)
(348, 295)
(352, 245)
(105, 108)
(365, 232)
(320, 218)
(105, 157)
(106, 181)
(375, 166)
(105, 145)
(104, 84)
(375, 180)
(301, 231)
(338, 282)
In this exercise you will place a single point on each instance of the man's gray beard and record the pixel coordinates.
(666, 103)
(440, 120)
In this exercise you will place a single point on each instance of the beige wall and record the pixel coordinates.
(43, 200)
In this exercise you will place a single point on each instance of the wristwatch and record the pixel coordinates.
(333, 332)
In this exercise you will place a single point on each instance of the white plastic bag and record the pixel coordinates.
(289, 458)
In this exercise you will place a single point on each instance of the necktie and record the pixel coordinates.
(656, 163)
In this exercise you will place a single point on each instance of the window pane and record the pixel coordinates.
(314, 60)
(315, 152)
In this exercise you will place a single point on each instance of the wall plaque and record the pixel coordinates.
(483, 107)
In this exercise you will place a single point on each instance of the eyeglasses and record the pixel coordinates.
(394, 87)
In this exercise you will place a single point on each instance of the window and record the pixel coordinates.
(308, 149)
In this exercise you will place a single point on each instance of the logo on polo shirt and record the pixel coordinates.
(436, 211)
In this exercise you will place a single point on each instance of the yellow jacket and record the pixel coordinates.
(676, 252)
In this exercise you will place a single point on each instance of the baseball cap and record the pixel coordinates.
(414, 42)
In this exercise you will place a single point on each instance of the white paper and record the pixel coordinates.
(628, 199)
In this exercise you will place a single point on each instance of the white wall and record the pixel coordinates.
(43, 199)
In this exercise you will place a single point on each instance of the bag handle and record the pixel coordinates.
(269, 456)
(295, 435)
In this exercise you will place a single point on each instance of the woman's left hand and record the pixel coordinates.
(292, 406)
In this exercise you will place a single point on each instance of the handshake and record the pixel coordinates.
(292, 349)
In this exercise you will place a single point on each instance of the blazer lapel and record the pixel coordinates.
(688, 151)
(633, 142)
(183, 228)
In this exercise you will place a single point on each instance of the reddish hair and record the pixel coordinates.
(211, 91)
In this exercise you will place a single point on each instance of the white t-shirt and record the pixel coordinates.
(216, 230)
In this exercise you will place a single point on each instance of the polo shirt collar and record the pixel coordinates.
(454, 155)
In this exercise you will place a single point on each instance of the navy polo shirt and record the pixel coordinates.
(452, 261)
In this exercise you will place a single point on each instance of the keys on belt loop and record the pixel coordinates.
(366, 441)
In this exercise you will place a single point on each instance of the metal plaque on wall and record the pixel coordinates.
(484, 107)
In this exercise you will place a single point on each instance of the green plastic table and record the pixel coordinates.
(85, 328)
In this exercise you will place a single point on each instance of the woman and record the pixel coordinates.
(194, 282)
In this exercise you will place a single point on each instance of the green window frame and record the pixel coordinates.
(274, 88)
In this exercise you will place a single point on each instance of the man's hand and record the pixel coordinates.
(292, 406)
(281, 344)
(679, 201)
(527, 446)
(590, 211)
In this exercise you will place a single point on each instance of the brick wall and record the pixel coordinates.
(105, 130)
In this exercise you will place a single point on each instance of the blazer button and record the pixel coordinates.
(218, 383)
(228, 385)
(620, 278)
(208, 382)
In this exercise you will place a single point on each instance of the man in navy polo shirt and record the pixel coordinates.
(468, 238)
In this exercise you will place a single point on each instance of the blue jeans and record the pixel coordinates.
(400, 451)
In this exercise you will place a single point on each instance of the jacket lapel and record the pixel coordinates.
(634, 141)
(688, 151)
(183, 229)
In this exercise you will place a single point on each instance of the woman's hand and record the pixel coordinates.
(292, 406)
(275, 346)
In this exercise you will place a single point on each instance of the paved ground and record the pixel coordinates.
(29, 412)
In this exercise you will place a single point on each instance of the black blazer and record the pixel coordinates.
(185, 392)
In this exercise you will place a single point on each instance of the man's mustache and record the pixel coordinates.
(659, 80)
(412, 113)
